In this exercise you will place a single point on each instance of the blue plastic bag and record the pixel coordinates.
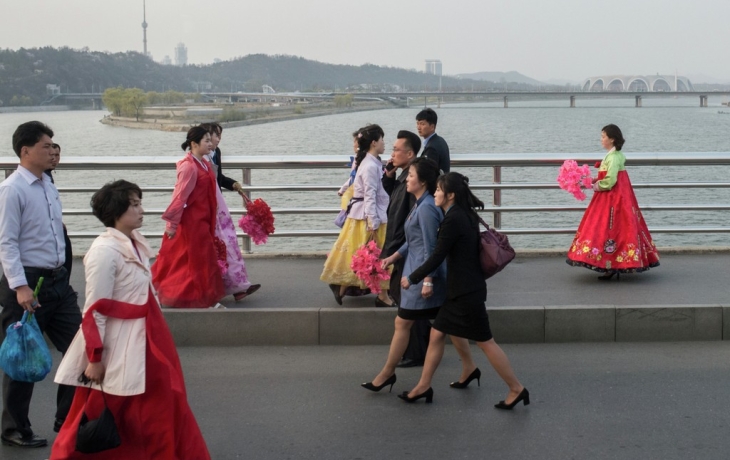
(24, 355)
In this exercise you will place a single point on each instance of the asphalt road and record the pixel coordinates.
(589, 401)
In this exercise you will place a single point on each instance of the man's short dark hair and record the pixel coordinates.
(28, 134)
(111, 201)
(218, 128)
(56, 146)
(412, 141)
(429, 115)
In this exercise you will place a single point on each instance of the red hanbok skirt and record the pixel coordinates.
(155, 425)
(186, 273)
(613, 237)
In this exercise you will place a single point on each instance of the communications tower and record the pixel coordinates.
(144, 26)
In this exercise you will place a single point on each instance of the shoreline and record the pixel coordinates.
(182, 125)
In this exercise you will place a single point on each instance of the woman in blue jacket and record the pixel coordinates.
(424, 300)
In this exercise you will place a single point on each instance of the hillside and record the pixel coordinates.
(25, 73)
(507, 77)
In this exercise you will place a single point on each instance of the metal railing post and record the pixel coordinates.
(497, 199)
(246, 172)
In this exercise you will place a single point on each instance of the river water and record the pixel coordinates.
(662, 125)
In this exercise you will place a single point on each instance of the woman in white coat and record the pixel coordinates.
(124, 347)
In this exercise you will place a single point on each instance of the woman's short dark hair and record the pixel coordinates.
(365, 137)
(195, 134)
(614, 133)
(28, 134)
(458, 184)
(428, 172)
(112, 200)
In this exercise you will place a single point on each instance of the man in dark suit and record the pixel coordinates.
(405, 149)
(216, 132)
(434, 146)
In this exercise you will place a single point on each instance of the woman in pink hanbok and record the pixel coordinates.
(233, 267)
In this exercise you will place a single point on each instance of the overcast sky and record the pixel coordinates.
(543, 39)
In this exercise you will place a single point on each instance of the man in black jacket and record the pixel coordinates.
(405, 150)
(434, 146)
(216, 132)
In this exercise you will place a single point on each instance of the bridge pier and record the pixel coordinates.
(572, 102)
(506, 105)
(638, 101)
(703, 101)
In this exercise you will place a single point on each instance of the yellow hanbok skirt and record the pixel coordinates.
(337, 266)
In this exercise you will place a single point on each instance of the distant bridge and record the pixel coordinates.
(506, 96)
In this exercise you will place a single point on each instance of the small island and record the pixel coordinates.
(176, 111)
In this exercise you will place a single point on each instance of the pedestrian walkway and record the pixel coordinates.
(535, 299)
(588, 401)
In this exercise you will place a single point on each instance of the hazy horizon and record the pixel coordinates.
(566, 40)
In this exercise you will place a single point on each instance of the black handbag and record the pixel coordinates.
(97, 435)
(495, 251)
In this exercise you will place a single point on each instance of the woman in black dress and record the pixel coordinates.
(464, 315)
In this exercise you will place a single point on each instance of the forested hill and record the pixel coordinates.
(25, 73)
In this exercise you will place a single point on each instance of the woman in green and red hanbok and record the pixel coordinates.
(612, 237)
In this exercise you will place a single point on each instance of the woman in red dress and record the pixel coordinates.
(125, 348)
(187, 273)
(612, 237)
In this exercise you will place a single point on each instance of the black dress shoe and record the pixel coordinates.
(407, 362)
(18, 440)
(380, 304)
(57, 424)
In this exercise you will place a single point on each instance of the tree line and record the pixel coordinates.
(130, 102)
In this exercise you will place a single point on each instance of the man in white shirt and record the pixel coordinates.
(32, 246)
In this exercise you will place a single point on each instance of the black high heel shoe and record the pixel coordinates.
(477, 374)
(523, 396)
(428, 394)
(608, 276)
(371, 387)
(336, 291)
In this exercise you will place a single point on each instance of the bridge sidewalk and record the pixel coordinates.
(535, 299)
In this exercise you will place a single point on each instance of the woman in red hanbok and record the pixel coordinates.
(188, 269)
(612, 237)
(124, 347)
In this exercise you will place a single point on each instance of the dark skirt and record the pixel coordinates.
(413, 315)
(468, 320)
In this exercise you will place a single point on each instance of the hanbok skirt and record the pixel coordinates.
(353, 235)
(157, 424)
(613, 236)
(235, 276)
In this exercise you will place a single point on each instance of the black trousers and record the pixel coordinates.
(421, 329)
(59, 317)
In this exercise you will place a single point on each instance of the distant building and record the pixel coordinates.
(433, 67)
(181, 55)
(53, 89)
(166, 60)
(638, 83)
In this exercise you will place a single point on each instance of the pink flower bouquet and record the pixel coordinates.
(258, 222)
(368, 268)
(574, 178)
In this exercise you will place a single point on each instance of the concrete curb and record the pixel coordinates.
(374, 326)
